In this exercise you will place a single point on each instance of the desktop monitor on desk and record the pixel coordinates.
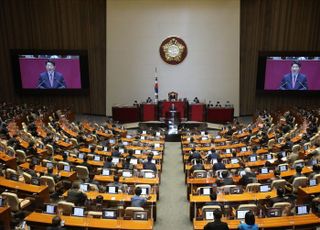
(66, 168)
(105, 172)
(50, 208)
(112, 189)
(109, 214)
(78, 211)
(302, 209)
(241, 214)
(208, 214)
(140, 215)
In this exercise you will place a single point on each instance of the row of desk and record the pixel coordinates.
(153, 112)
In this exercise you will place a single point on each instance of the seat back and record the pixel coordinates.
(27, 178)
(65, 207)
(278, 183)
(296, 148)
(83, 172)
(200, 174)
(48, 181)
(11, 151)
(226, 188)
(12, 200)
(128, 212)
(253, 187)
(50, 149)
(282, 205)
(147, 173)
(299, 182)
(219, 172)
(21, 156)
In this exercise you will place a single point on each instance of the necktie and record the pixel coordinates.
(294, 79)
(51, 79)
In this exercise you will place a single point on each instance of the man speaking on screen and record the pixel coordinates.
(294, 80)
(51, 79)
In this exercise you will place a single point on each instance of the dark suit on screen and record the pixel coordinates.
(58, 81)
(300, 83)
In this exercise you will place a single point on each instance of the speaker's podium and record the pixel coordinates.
(173, 111)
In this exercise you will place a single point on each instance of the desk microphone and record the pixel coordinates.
(283, 85)
(40, 85)
(304, 88)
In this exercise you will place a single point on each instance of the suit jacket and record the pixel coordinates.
(216, 225)
(301, 82)
(58, 81)
(76, 197)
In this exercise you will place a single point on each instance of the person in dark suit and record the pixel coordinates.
(149, 164)
(219, 165)
(56, 224)
(51, 79)
(75, 195)
(294, 80)
(217, 224)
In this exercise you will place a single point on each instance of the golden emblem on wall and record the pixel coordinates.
(173, 50)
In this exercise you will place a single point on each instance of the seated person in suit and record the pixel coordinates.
(31, 170)
(149, 164)
(116, 182)
(54, 176)
(226, 180)
(294, 80)
(196, 100)
(108, 163)
(212, 155)
(85, 163)
(56, 224)
(194, 155)
(197, 166)
(149, 100)
(213, 201)
(115, 152)
(137, 200)
(127, 165)
(219, 165)
(316, 170)
(75, 195)
(248, 177)
(298, 174)
(217, 223)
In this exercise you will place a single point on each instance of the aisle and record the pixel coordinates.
(173, 207)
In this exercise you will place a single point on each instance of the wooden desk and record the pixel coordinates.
(126, 114)
(130, 180)
(72, 176)
(11, 162)
(275, 222)
(89, 222)
(292, 172)
(246, 196)
(42, 190)
(220, 115)
(310, 190)
(116, 197)
(5, 217)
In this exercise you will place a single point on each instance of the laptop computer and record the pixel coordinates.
(241, 214)
(264, 170)
(144, 191)
(105, 172)
(112, 189)
(140, 215)
(109, 214)
(127, 174)
(253, 158)
(234, 160)
(137, 152)
(66, 168)
(274, 212)
(302, 209)
(97, 158)
(115, 160)
(84, 187)
(80, 155)
(283, 168)
(265, 188)
(149, 175)
(134, 161)
(312, 182)
(208, 214)
(206, 191)
(50, 208)
(78, 211)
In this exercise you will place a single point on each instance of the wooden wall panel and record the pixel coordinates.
(56, 24)
(274, 25)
